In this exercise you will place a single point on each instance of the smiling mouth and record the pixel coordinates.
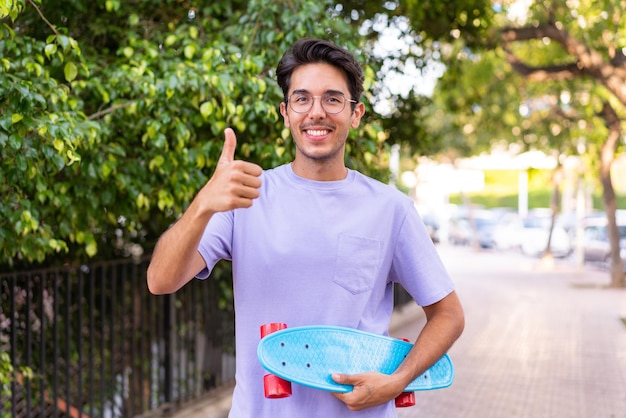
(317, 132)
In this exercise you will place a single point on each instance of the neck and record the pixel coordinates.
(319, 171)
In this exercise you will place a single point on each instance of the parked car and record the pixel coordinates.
(596, 247)
(461, 231)
(530, 234)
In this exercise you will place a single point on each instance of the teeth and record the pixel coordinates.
(317, 132)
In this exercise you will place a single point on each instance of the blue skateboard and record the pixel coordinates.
(309, 355)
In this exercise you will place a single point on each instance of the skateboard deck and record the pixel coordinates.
(309, 355)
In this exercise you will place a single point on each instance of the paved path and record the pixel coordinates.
(541, 341)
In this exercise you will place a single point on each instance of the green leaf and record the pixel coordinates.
(165, 200)
(156, 162)
(70, 71)
(170, 40)
(133, 19)
(206, 109)
(15, 141)
(59, 145)
(91, 247)
(189, 51)
(142, 201)
(72, 157)
(16, 117)
(50, 50)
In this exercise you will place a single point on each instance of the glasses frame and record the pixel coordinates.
(288, 101)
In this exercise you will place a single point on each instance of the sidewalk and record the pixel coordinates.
(541, 341)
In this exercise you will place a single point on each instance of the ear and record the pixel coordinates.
(357, 114)
(283, 111)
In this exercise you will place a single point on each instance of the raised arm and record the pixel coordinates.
(234, 184)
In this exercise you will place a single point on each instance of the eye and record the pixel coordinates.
(301, 99)
(333, 99)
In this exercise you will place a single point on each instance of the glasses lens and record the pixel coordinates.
(301, 102)
(331, 102)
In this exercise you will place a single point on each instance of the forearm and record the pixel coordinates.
(175, 260)
(445, 323)
(234, 184)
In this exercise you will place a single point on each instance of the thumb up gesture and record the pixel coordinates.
(235, 183)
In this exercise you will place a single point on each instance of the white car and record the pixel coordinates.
(596, 247)
(530, 234)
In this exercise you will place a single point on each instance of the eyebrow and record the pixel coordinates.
(331, 91)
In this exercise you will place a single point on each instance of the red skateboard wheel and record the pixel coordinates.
(267, 329)
(405, 399)
(273, 386)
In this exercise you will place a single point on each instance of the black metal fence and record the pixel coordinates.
(100, 345)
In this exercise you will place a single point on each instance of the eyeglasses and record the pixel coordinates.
(332, 102)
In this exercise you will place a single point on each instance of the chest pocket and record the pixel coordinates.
(357, 263)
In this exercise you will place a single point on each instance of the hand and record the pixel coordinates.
(234, 184)
(370, 389)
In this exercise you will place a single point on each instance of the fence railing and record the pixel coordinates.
(100, 345)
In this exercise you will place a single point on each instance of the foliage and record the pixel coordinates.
(550, 78)
(432, 20)
(112, 114)
(10, 374)
(422, 29)
(483, 103)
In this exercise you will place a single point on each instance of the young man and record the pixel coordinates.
(312, 243)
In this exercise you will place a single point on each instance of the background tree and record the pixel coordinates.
(542, 79)
(424, 30)
(581, 40)
(112, 113)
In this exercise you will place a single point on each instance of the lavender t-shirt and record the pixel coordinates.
(318, 253)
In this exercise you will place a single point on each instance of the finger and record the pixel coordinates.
(251, 181)
(342, 379)
(249, 168)
(338, 378)
(228, 150)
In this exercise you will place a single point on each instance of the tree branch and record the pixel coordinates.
(588, 61)
(56, 32)
(111, 109)
(545, 73)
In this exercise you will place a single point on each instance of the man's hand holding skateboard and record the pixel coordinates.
(370, 389)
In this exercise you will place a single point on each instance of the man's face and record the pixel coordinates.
(320, 137)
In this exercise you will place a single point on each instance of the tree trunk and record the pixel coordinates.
(557, 179)
(607, 156)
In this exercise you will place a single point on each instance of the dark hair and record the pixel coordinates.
(310, 51)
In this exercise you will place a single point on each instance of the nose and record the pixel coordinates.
(317, 111)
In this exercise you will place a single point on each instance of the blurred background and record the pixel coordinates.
(503, 120)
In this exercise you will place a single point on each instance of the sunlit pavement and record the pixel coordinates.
(541, 340)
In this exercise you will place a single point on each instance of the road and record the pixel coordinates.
(540, 341)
